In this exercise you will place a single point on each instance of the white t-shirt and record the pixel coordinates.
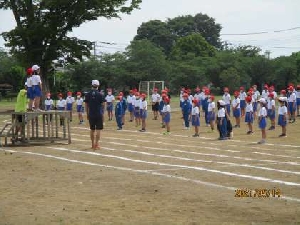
(48, 102)
(166, 108)
(282, 110)
(265, 94)
(79, 101)
(136, 103)
(191, 98)
(211, 106)
(221, 112)
(36, 80)
(109, 98)
(292, 97)
(227, 99)
(29, 81)
(70, 99)
(271, 103)
(262, 112)
(256, 95)
(129, 99)
(155, 97)
(195, 111)
(298, 94)
(236, 103)
(143, 105)
(197, 96)
(249, 107)
(243, 95)
(181, 97)
(61, 103)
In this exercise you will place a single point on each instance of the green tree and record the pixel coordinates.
(230, 78)
(42, 28)
(193, 44)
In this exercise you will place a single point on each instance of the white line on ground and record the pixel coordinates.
(142, 171)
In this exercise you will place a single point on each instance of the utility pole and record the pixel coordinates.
(268, 53)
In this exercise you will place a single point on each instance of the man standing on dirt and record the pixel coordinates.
(93, 103)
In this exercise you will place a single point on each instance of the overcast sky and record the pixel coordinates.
(235, 16)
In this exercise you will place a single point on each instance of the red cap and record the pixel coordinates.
(291, 88)
(60, 95)
(212, 97)
(236, 94)
(143, 95)
(155, 89)
(69, 93)
(283, 91)
(207, 91)
(271, 95)
(78, 93)
(121, 93)
(242, 88)
(188, 91)
(197, 89)
(119, 97)
(137, 93)
(195, 101)
(185, 95)
(166, 89)
(248, 99)
(166, 99)
(163, 91)
(266, 86)
(29, 71)
(226, 89)
(298, 87)
(163, 95)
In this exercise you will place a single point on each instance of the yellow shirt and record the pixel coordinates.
(21, 104)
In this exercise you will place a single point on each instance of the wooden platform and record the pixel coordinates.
(38, 127)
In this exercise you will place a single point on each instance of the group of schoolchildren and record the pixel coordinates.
(244, 104)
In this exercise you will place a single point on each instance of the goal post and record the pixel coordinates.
(147, 87)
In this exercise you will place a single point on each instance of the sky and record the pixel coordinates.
(235, 17)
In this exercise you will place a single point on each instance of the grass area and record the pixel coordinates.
(7, 105)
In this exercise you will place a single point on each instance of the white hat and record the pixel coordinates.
(95, 83)
(35, 67)
(25, 83)
(222, 103)
(262, 100)
(282, 99)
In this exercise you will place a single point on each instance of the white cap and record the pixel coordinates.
(222, 103)
(95, 83)
(282, 99)
(35, 67)
(25, 83)
(262, 100)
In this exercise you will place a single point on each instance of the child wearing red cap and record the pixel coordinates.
(236, 110)
(70, 100)
(242, 97)
(298, 100)
(136, 103)
(195, 117)
(262, 122)
(155, 99)
(61, 105)
(161, 107)
(249, 114)
(205, 105)
(30, 94)
(211, 112)
(48, 102)
(166, 114)
(292, 101)
(130, 100)
(227, 99)
(282, 115)
(119, 112)
(109, 103)
(79, 108)
(271, 110)
(143, 112)
(265, 92)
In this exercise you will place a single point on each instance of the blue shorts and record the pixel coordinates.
(69, 106)
(61, 108)
(30, 93)
(195, 120)
(291, 107)
(79, 108)
(47, 107)
(37, 92)
(211, 116)
(254, 106)
(263, 123)
(228, 109)
(249, 117)
(109, 106)
(167, 118)
(271, 114)
(281, 120)
(130, 107)
(237, 113)
(242, 104)
(143, 114)
(298, 101)
(137, 112)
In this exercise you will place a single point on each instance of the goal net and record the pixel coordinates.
(147, 87)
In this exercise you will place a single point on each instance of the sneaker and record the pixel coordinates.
(261, 142)
(142, 130)
(195, 135)
(272, 128)
(163, 126)
(119, 128)
(282, 135)
(293, 121)
(250, 132)
(222, 138)
(166, 133)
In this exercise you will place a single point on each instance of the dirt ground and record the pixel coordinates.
(151, 178)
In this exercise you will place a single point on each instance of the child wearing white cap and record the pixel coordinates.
(37, 86)
(282, 115)
(262, 122)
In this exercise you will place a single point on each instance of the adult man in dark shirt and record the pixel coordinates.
(93, 103)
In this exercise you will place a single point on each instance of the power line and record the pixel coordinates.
(261, 32)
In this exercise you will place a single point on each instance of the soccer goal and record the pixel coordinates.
(148, 86)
